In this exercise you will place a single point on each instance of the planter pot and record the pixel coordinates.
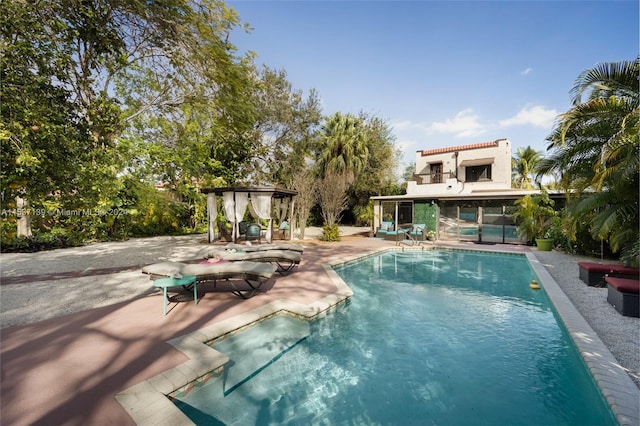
(544, 244)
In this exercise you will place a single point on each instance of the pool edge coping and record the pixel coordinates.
(616, 387)
(148, 404)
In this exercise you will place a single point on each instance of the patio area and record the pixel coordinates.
(81, 325)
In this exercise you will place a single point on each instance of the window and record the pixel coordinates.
(405, 212)
(477, 173)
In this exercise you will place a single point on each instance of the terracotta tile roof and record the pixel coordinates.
(461, 148)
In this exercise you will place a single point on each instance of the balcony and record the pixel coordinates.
(433, 178)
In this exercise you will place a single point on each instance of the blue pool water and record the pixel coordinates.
(442, 337)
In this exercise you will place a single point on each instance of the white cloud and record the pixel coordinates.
(526, 72)
(537, 116)
(464, 124)
(404, 125)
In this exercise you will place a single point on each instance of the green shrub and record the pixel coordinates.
(630, 255)
(330, 233)
(42, 240)
(364, 214)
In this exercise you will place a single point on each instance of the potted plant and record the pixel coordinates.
(534, 216)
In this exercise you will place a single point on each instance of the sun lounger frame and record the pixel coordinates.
(252, 273)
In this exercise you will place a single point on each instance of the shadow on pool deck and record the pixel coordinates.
(66, 370)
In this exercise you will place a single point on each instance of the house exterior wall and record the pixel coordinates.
(445, 170)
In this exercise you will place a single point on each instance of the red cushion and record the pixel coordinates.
(624, 285)
(608, 269)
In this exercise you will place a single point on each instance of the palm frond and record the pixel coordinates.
(617, 79)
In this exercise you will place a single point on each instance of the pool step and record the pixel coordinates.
(256, 348)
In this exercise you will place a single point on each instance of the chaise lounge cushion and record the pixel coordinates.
(386, 226)
(264, 247)
(625, 285)
(593, 274)
(285, 259)
(623, 295)
(253, 271)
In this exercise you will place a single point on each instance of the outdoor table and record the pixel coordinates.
(185, 281)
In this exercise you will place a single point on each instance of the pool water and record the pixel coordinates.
(437, 337)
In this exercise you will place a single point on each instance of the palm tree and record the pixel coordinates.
(345, 150)
(596, 149)
(524, 166)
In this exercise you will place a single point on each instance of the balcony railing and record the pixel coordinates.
(435, 177)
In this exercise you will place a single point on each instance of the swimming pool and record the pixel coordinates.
(443, 337)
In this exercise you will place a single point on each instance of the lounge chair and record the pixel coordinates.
(285, 260)
(593, 274)
(623, 295)
(264, 247)
(253, 273)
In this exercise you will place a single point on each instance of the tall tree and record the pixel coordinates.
(306, 183)
(344, 149)
(191, 108)
(284, 130)
(89, 69)
(524, 165)
(378, 176)
(596, 149)
(332, 194)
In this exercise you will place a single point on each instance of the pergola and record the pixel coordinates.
(259, 200)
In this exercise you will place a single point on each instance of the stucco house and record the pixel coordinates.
(462, 169)
(459, 192)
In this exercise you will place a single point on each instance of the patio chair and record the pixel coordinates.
(254, 274)
(242, 228)
(224, 232)
(253, 232)
(413, 236)
(397, 236)
(385, 227)
(419, 231)
(282, 232)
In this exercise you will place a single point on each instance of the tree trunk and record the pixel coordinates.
(24, 219)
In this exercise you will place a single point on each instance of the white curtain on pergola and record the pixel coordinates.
(260, 203)
(235, 204)
(282, 206)
(229, 206)
(261, 208)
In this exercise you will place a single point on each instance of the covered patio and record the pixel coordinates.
(261, 202)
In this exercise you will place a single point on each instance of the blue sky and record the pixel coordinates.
(442, 73)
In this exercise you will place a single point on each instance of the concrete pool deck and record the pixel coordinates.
(77, 331)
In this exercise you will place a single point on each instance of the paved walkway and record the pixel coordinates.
(76, 329)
